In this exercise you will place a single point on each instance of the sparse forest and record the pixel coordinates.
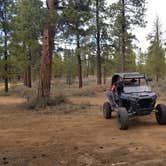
(93, 37)
(57, 58)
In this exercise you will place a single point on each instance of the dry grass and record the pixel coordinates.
(68, 108)
(159, 87)
(58, 100)
(31, 94)
(87, 92)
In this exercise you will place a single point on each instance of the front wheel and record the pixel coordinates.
(161, 114)
(107, 112)
(123, 118)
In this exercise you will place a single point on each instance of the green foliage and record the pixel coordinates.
(141, 62)
(70, 66)
(131, 62)
(75, 17)
(77, 26)
(65, 66)
(124, 15)
(27, 28)
(99, 9)
(58, 66)
(6, 15)
(156, 62)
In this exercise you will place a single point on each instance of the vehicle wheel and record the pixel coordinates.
(161, 114)
(107, 112)
(123, 118)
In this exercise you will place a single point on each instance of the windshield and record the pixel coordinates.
(135, 82)
(136, 89)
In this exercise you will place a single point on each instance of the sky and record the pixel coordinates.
(154, 8)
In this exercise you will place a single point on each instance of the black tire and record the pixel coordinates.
(107, 112)
(161, 114)
(123, 118)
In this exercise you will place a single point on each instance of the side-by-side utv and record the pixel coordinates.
(133, 98)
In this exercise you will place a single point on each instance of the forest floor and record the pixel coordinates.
(76, 138)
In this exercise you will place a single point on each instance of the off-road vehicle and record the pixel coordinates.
(133, 98)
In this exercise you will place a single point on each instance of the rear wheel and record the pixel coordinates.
(161, 114)
(123, 118)
(107, 112)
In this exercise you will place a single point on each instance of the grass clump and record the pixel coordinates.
(87, 92)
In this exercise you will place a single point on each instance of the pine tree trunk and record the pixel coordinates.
(79, 62)
(27, 73)
(88, 67)
(105, 59)
(6, 80)
(46, 61)
(99, 75)
(123, 47)
(27, 76)
(29, 85)
(46, 66)
(104, 75)
(6, 77)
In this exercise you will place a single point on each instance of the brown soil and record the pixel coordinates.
(83, 138)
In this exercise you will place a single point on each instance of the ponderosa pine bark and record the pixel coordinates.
(6, 79)
(27, 73)
(99, 74)
(123, 44)
(79, 62)
(46, 59)
(27, 76)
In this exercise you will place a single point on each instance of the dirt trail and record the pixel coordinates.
(29, 138)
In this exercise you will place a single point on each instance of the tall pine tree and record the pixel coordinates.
(27, 26)
(156, 53)
(6, 14)
(125, 15)
(75, 27)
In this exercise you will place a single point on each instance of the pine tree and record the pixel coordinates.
(58, 65)
(156, 53)
(27, 26)
(75, 20)
(125, 14)
(100, 29)
(6, 14)
(46, 58)
(70, 66)
(141, 64)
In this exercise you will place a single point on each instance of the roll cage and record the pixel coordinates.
(125, 77)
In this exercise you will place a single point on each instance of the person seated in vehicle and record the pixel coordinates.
(130, 82)
(114, 91)
(133, 82)
(120, 86)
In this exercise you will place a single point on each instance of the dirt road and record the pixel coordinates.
(83, 138)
